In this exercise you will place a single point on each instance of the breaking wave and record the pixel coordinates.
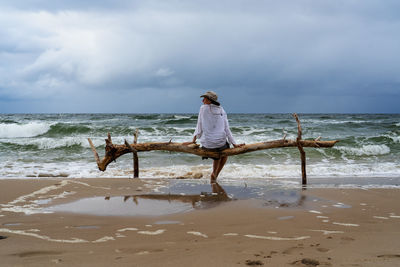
(16, 130)
(366, 150)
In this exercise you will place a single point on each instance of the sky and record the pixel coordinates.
(260, 56)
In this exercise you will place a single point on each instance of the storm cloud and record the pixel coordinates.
(154, 56)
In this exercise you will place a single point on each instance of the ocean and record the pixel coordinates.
(55, 145)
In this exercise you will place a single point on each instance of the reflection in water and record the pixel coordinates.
(198, 201)
(185, 197)
(218, 195)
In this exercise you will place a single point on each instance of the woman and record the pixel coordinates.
(213, 130)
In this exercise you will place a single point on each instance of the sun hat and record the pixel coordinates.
(212, 96)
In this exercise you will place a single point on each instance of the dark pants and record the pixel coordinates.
(218, 149)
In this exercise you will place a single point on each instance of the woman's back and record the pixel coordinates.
(212, 123)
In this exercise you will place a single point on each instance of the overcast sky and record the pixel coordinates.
(160, 56)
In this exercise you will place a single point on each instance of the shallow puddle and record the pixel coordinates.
(184, 196)
(116, 206)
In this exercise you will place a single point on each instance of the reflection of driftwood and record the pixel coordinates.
(193, 199)
(218, 195)
(114, 151)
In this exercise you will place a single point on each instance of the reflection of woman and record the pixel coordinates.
(213, 130)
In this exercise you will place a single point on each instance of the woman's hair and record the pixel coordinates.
(212, 101)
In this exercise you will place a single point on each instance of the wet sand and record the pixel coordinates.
(211, 227)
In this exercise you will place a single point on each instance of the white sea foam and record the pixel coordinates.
(43, 237)
(315, 211)
(51, 143)
(157, 232)
(394, 137)
(30, 129)
(366, 150)
(381, 217)
(346, 224)
(179, 117)
(42, 191)
(232, 171)
(103, 239)
(319, 121)
(127, 229)
(118, 235)
(231, 234)
(28, 204)
(328, 232)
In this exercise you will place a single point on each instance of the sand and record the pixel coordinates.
(321, 227)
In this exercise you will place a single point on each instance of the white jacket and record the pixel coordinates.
(212, 127)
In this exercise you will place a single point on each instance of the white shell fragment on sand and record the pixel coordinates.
(197, 234)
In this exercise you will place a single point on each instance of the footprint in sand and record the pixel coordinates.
(389, 256)
(346, 239)
(254, 262)
(36, 253)
(306, 262)
(292, 250)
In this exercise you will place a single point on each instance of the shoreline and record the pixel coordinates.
(281, 227)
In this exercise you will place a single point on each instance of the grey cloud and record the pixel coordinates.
(272, 52)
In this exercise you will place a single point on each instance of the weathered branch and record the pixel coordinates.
(302, 152)
(96, 156)
(132, 149)
(115, 151)
(135, 157)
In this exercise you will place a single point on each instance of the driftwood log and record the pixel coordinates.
(114, 151)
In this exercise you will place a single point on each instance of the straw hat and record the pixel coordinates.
(212, 96)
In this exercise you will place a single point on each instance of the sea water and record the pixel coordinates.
(56, 145)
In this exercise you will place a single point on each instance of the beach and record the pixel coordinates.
(199, 133)
(198, 224)
(57, 208)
